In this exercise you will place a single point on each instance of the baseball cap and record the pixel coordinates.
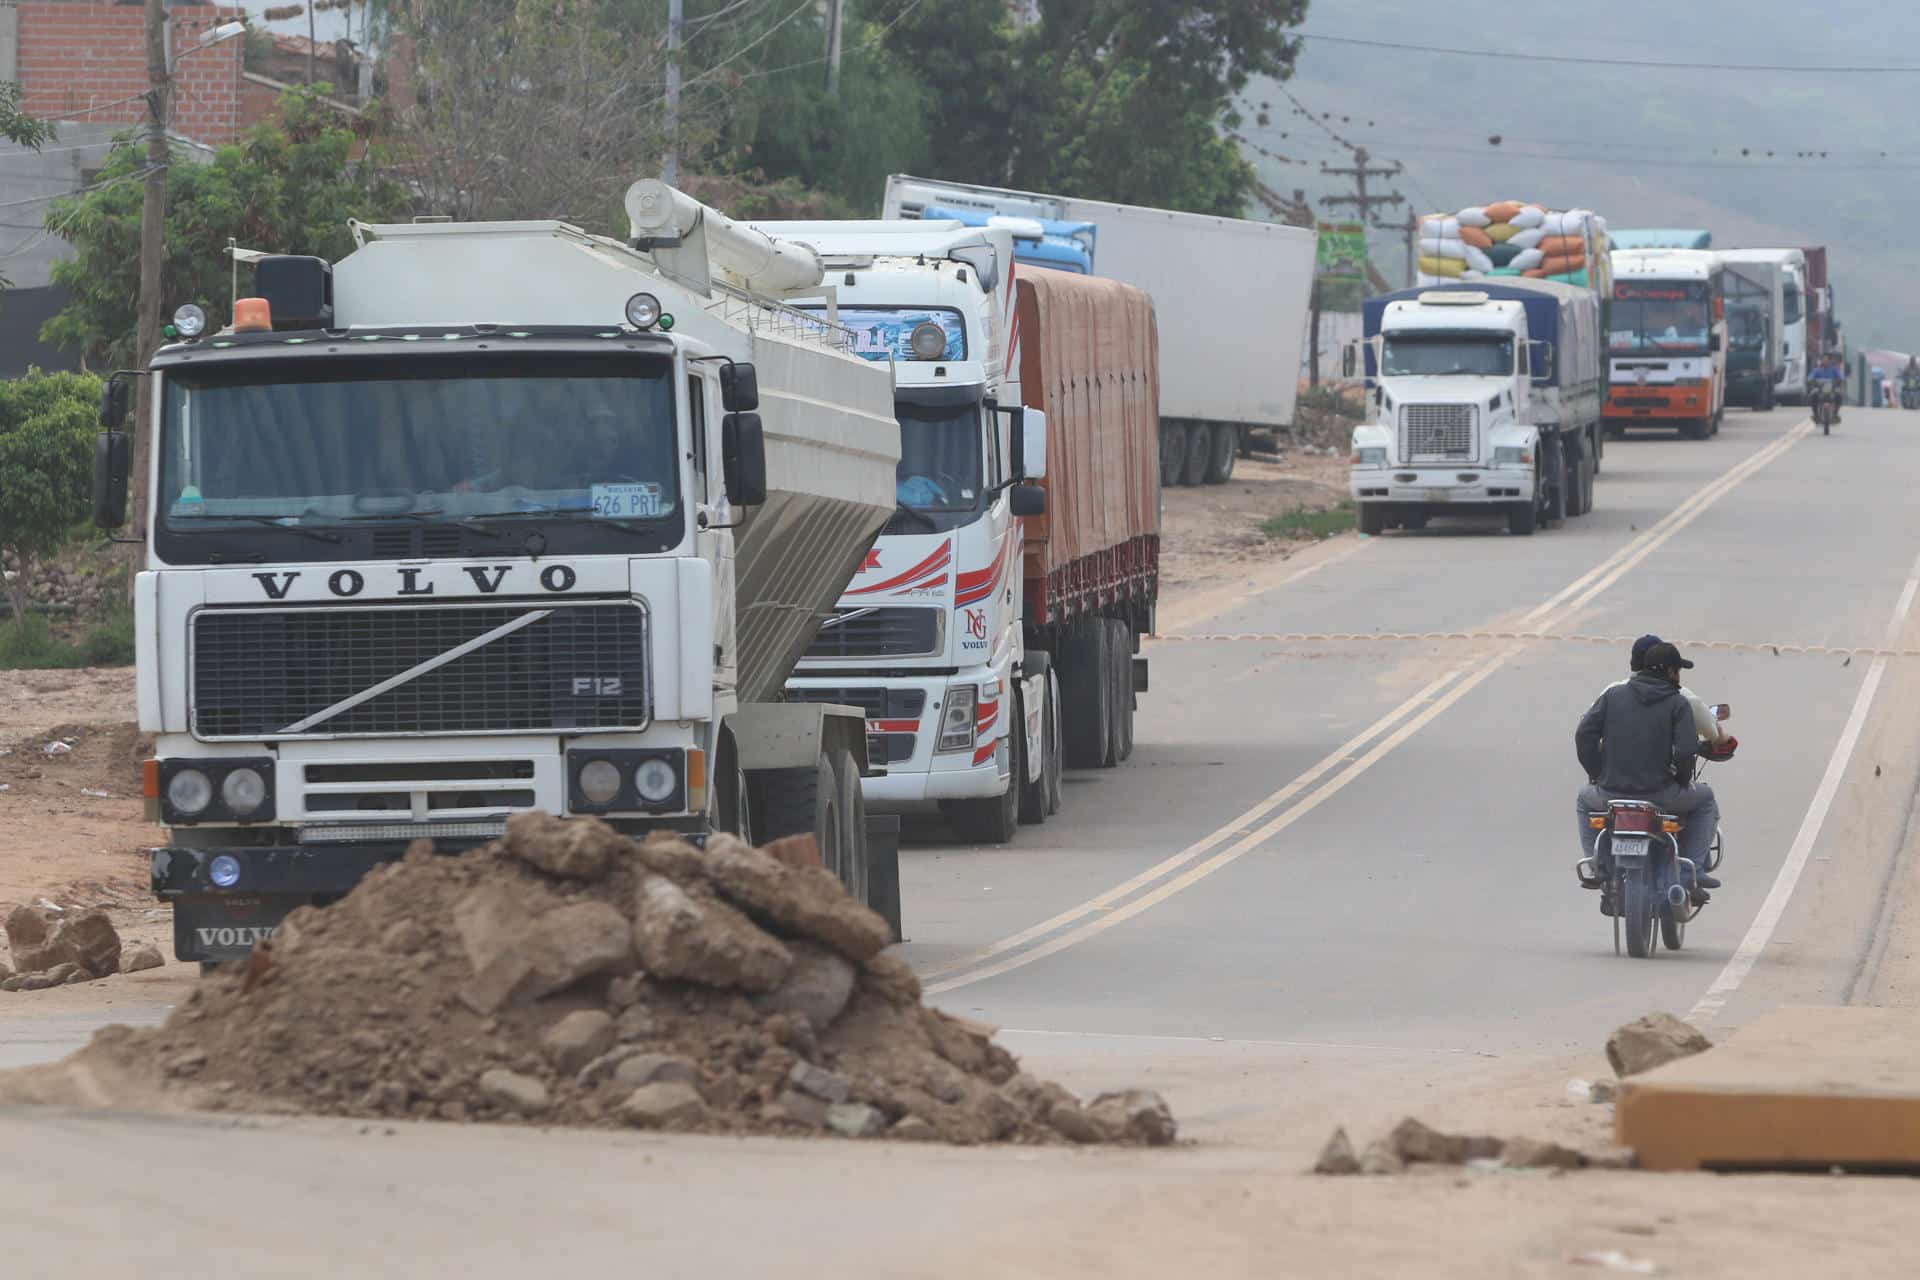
(1640, 648)
(1663, 655)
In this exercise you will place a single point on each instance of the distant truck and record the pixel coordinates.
(1483, 395)
(1230, 296)
(1790, 386)
(1757, 348)
(1667, 342)
(1661, 238)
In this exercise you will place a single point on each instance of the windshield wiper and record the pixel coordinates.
(902, 509)
(271, 522)
(425, 516)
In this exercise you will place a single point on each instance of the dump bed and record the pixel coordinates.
(1086, 354)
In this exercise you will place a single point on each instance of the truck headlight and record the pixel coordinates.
(956, 720)
(1370, 456)
(1512, 455)
(600, 781)
(190, 792)
(654, 780)
(244, 791)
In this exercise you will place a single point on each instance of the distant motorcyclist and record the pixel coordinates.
(1827, 379)
(1638, 742)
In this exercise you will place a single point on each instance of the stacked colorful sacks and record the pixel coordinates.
(1512, 238)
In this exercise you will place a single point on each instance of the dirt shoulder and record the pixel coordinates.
(1211, 534)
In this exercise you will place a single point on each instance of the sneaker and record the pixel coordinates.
(1706, 881)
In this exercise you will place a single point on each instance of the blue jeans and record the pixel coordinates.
(1694, 805)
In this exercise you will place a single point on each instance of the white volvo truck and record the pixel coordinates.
(492, 517)
(1483, 396)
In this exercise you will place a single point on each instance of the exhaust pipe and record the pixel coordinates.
(1677, 897)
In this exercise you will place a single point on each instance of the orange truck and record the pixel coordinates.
(1666, 342)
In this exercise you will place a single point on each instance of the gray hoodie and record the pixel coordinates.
(1635, 734)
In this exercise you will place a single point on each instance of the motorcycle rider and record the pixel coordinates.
(1827, 380)
(1703, 720)
(1638, 742)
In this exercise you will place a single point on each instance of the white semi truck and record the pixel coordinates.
(492, 517)
(1230, 295)
(1482, 396)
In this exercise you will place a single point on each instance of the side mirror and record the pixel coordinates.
(1721, 711)
(739, 388)
(1027, 500)
(1030, 444)
(743, 458)
(1346, 361)
(113, 403)
(112, 458)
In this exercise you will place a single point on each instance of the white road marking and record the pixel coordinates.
(1411, 715)
(1760, 932)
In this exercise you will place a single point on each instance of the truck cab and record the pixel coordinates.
(928, 636)
(1451, 414)
(1667, 342)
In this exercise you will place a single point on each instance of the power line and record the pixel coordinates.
(1576, 60)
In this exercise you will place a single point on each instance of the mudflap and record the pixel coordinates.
(883, 869)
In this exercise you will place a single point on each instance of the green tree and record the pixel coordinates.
(17, 127)
(47, 422)
(288, 188)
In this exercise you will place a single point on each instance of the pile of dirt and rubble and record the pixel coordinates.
(569, 975)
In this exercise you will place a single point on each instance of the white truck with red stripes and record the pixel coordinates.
(982, 665)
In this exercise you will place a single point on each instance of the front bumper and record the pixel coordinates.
(1462, 487)
(1626, 405)
(966, 781)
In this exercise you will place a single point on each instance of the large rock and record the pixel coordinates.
(577, 1039)
(653, 1106)
(141, 955)
(511, 1091)
(1653, 1041)
(522, 948)
(805, 900)
(668, 855)
(1417, 1143)
(817, 988)
(701, 939)
(30, 938)
(856, 1120)
(90, 941)
(892, 979)
(578, 848)
(1138, 1115)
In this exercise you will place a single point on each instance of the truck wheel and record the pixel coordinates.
(993, 820)
(1766, 399)
(1372, 520)
(1523, 518)
(1694, 429)
(1576, 484)
(1121, 648)
(1085, 697)
(1586, 485)
(1173, 452)
(853, 827)
(1034, 798)
(1597, 446)
(1225, 451)
(1054, 767)
(1199, 446)
(809, 800)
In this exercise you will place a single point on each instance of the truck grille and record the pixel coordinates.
(280, 673)
(878, 633)
(1436, 433)
(881, 707)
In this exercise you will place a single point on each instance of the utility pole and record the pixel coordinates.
(836, 21)
(153, 222)
(1363, 204)
(676, 28)
(1412, 229)
(311, 37)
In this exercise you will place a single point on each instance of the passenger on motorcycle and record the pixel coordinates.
(1638, 742)
(1704, 721)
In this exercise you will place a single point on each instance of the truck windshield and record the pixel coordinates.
(1482, 355)
(462, 438)
(1791, 305)
(1671, 319)
(940, 464)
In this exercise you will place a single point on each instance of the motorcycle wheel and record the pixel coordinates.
(1637, 912)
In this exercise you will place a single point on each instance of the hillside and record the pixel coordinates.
(1642, 146)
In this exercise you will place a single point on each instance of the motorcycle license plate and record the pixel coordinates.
(1630, 846)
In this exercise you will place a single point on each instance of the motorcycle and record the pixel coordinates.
(1826, 407)
(1648, 889)
(1910, 393)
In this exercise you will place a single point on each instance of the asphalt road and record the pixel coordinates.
(1338, 864)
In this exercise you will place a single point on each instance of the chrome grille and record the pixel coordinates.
(878, 633)
(276, 673)
(1436, 433)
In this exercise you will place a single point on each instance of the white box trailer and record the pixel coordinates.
(1230, 298)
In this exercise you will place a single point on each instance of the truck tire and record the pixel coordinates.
(1579, 483)
(1173, 453)
(1766, 398)
(853, 869)
(1199, 448)
(809, 800)
(1695, 429)
(1586, 485)
(1035, 804)
(1120, 647)
(1085, 694)
(1522, 519)
(1223, 454)
(1371, 519)
(993, 819)
(1054, 768)
(1597, 446)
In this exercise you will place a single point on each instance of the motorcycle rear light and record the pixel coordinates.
(1633, 821)
(1670, 828)
(1597, 822)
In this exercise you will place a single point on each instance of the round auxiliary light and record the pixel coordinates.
(224, 871)
(654, 780)
(643, 311)
(244, 790)
(928, 340)
(190, 792)
(189, 321)
(600, 782)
